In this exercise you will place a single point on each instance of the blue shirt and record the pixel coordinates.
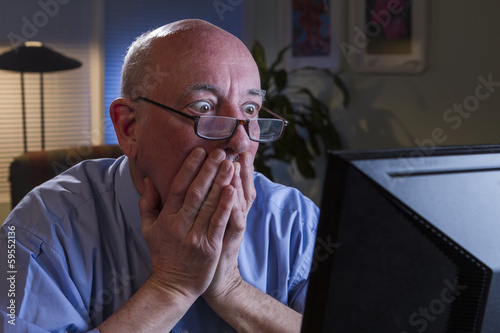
(75, 253)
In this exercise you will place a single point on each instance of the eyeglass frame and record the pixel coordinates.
(243, 122)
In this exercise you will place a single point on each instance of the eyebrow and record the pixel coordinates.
(258, 92)
(197, 87)
(202, 87)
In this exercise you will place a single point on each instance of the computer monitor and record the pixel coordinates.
(408, 241)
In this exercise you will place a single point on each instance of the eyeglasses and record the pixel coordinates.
(222, 128)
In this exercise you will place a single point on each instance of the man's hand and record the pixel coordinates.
(186, 235)
(194, 240)
(227, 277)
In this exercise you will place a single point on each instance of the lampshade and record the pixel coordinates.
(35, 57)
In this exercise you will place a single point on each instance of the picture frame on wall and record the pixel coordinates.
(312, 30)
(386, 36)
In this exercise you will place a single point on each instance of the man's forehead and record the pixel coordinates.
(206, 87)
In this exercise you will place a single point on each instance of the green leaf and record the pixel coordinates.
(262, 167)
(280, 79)
(260, 59)
(259, 55)
(304, 162)
(279, 58)
(336, 79)
(310, 131)
(314, 143)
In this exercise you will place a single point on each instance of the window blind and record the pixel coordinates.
(65, 27)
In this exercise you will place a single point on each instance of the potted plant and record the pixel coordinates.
(310, 131)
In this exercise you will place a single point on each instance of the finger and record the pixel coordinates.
(149, 204)
(183, 179)
(219, 220)
(214, 196)
(237, 220)
(235, 231)
(246, 175)
(236, 182)
(201, 185)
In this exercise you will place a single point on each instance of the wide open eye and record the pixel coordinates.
(250, 109)
(201, 107)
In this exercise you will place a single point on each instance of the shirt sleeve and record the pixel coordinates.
(40, 295)
(302, 251)
(277, 252)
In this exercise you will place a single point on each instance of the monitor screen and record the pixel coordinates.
(408, 241)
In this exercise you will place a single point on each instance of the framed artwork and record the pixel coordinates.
(386, 36)
(313, 30)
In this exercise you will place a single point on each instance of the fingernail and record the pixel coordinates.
(247, 159)
(237, 168)
(225, 167)
(218, 155)
(229, 191)
(198, 153)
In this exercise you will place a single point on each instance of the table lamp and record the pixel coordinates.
(34, 57)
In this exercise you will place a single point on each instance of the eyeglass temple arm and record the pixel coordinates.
(275, 115)
(140, 98)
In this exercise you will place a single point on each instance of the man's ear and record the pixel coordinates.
(124, 120)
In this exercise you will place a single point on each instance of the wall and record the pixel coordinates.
(462, 47)
(403, 110)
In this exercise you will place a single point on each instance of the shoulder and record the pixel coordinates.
(67, 192)
(282, 196)
(279, 241)
(85, 180)
(287, 201)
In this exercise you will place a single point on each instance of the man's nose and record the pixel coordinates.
(239, 142)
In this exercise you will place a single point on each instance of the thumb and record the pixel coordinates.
(149, 204)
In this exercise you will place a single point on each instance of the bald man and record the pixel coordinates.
(179, 234)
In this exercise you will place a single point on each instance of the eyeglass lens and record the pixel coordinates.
(265, 130)
(270, 129)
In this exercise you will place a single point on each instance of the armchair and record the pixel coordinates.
(33, 168)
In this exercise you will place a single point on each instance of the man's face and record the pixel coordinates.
(208, 75)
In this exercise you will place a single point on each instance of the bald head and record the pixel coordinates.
(180, 46)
